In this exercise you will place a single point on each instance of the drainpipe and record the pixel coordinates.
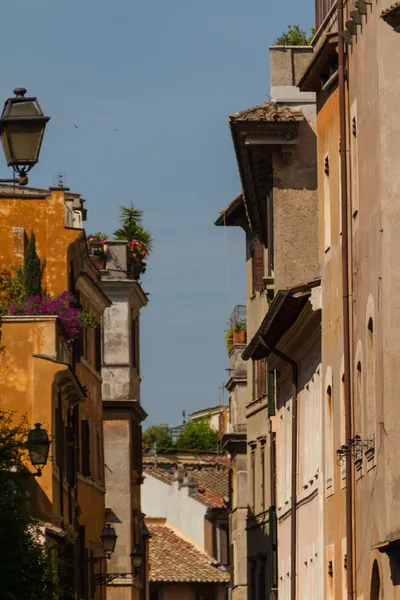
(293, 520)
(346, 307)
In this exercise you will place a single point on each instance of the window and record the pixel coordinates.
(261, 378)
(223, 538)
(354, 162)
(262, 579)
(253, 581)
(370, 381)
(359, 394)
(85, 343)
(257, 263)
(327, 206)
(262, 460)
(98, 457)
(85, 433)
(329, 438)
(254, 373)
(253, 479)
(271, 391)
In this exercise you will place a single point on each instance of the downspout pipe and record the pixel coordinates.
(293, 520)
(346, 294)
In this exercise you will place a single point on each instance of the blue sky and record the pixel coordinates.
(167, 75)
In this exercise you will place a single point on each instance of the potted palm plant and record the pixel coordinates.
(139, 239)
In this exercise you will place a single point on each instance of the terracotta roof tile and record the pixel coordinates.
(160, 474)
(269, 111)
(173, 559)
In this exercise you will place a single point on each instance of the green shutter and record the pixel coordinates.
(271, 392)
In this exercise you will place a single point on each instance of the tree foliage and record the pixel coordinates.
(26, 564)
(198, 436)
(159, 435)
(33, 269)
(295, 36)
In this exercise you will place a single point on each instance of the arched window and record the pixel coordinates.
(375, 582)
(358, 428)
(329, 437)
(370, 381)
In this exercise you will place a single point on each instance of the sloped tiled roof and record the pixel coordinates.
(215, 480)
(160, 474)
(269, 111)
(174, 560)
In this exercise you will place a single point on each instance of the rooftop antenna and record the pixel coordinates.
(59, 179)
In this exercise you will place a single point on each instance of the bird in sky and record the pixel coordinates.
(76, 126)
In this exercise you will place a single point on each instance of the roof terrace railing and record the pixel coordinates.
(322, 8)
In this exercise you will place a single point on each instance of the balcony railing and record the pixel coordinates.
(322, 8)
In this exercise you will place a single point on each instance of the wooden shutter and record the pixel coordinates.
(254, 379)
(223, 545)
(271, 392)
(85, 447)
(70, 456)
(262, 377)
(258, 267)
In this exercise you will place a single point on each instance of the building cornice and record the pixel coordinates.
(124, 405)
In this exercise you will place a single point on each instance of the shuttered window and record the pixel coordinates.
(262, 460)
(85, 447)
(258, 267)
(261, 377)
(223, 545)
(271, 391)
(273, 548)
(59, 437)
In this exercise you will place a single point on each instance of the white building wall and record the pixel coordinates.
(176, 506)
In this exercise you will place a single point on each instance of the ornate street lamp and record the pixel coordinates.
(108, 539)
(137, 557)
(22, 126)
(38, 445)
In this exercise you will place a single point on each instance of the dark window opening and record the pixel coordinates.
(97, 348)
(85, 447)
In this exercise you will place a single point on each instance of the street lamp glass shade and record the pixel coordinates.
(38, 445)
(22, 126)
(108, 539)
(137, 557)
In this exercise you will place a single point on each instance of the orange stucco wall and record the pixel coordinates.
(45, 217)
(26, 383)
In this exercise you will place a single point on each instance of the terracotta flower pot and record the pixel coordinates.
(239, 337)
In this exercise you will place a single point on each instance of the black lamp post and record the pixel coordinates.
(108, 539)
(137, 557)
(22, 126)
(38, 445)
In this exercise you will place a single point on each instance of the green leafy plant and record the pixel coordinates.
(89, 319)
(97, 237)
(198, 436)
(11, 288)
(295, 36)
(160, 435)
(27, 563)
(33, 269)
(233, 327)
(132, 230)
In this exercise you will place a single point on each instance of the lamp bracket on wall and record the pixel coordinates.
(354, 449)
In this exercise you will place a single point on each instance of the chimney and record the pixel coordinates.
(190, 482)
(179, 475)
(287, 63)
